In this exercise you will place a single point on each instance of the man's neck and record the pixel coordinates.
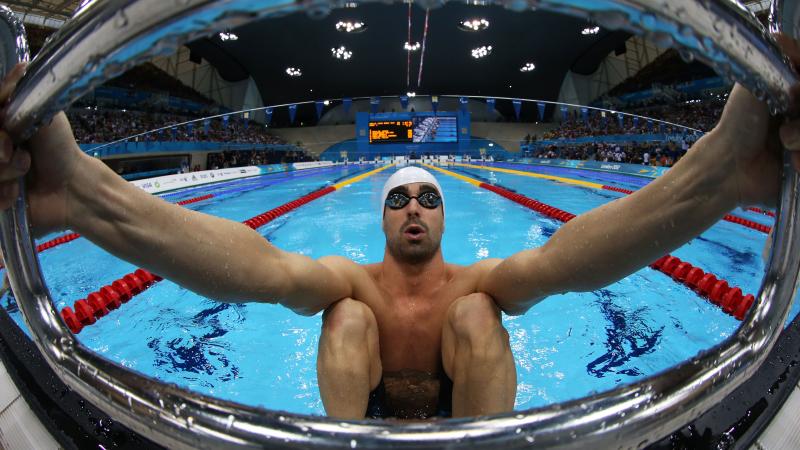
(406, 279)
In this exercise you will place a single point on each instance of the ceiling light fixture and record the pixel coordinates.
(341, 53)
(590, 30)
(228, 36)
(528, 67)
(350, 27)
(293, 72)
(411, 47)
(474, 24)
(482, 51)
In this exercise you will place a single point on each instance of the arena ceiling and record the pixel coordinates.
(379, 62)
(50, 9)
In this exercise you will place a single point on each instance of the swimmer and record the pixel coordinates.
(411, 336)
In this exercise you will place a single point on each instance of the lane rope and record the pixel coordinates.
(109, 297)
(729, 298)
(762, 211)
(728, 217)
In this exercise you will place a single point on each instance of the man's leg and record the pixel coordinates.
(477, 356)
(349, 359)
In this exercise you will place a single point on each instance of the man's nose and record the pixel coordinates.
(414, 206)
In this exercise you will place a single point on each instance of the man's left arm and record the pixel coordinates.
(736, 164)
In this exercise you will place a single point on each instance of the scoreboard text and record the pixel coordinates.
(391, 131)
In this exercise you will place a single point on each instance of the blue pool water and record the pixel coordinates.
(567, 346)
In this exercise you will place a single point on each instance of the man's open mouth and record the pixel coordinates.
(414, 231)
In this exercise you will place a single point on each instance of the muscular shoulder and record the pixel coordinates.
(359, 276)
(472, 274)
(344, 267)
(483, 267)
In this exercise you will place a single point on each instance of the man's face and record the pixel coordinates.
(413, 233)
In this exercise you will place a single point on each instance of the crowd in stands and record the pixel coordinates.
(649, 154)
(700, 115)
(90, 125)
(253, 158)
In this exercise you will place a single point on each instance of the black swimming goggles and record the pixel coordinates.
(398, 200)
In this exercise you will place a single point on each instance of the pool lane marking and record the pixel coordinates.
(358, 178)
(535, 175)
(729, 298)
(97, 304)
(728, 217)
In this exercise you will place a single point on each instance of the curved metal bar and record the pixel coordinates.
(113, 35)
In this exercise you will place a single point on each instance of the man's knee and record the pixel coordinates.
(476, 318)
(348, 319)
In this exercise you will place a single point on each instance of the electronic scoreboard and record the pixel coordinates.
(422, 128)
(391, 131)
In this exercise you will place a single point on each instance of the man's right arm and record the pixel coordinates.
(215, 257)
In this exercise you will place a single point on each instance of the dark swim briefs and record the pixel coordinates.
(377, 409)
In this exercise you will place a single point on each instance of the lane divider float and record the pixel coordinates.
(728, 217)
(729, 298)
(762, 211)
(195, 200)
(97, 304)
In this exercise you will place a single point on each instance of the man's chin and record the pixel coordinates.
(414, 252)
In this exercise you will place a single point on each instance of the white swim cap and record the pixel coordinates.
(408, 175)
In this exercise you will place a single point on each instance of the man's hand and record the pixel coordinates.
(753, 139)
(51, 161)
(790, 129)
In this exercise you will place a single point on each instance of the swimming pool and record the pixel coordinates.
(566, 347)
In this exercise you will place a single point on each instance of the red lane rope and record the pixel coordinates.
(97, 304)
(729, 217)
(195, 200)
(761, 211)
(55, 242)
(707, 285)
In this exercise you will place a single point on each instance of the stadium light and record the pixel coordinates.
(482, 51)
(528, 67)
(474, 24)
(228, 36)
(411, 47)
(341, 53)
(590, 30)
(350, 27)
(293, 72)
